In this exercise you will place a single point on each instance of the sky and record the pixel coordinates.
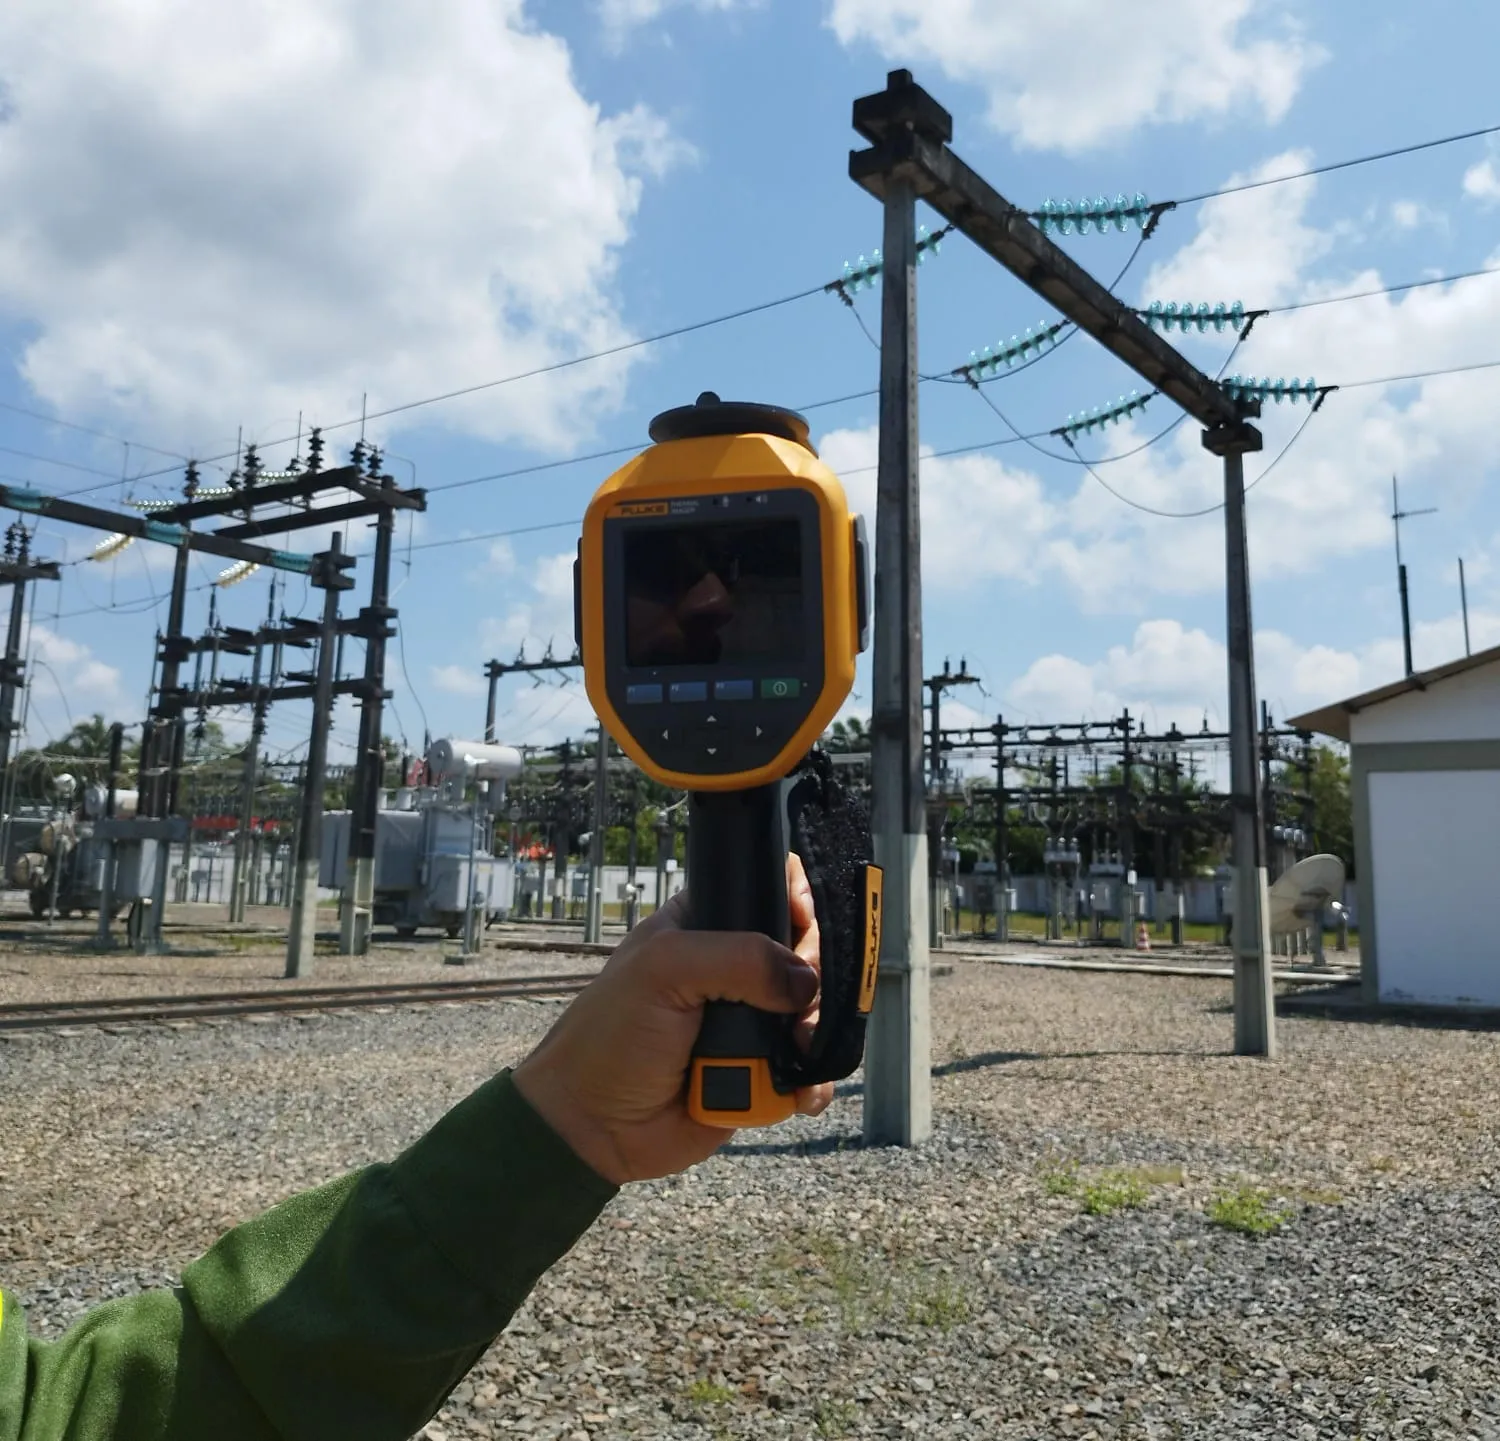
(222, 224)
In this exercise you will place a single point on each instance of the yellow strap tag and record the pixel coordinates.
(874, 885)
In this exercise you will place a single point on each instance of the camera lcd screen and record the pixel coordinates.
(726, 593)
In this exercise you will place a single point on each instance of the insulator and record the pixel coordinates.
(234, 574)
(109, 546)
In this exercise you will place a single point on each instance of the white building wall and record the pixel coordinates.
(1464, 707)
(1435, 838)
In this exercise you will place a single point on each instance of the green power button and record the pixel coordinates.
(784, 689)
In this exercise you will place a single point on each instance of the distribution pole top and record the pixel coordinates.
(909, 133)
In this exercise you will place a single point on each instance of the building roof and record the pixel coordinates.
(1333, 720)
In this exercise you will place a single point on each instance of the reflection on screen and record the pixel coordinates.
(714, 594)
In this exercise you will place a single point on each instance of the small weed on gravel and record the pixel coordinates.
(1114, 1191)
(940, 1302)
(702, 1392)
(833, 1418)
(1246, 1209)
(1061, 1180)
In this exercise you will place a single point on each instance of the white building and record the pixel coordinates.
(1425, 774)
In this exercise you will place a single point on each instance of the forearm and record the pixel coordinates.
(351, 1310)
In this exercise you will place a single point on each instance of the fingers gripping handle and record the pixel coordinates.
(736, 862)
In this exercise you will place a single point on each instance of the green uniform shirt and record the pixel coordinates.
(349, 1311)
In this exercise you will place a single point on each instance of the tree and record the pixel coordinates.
(849, 734)
(1333, 804)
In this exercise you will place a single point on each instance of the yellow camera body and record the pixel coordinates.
(721, 602)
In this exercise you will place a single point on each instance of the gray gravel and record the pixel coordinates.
(802, 1285)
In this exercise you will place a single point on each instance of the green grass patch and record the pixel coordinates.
(702, 1392)
(1157, 1175)
(1061, 1180)
(1320, 1196)
(1113, 1191)
(1246, 1209)
(834, 1418)
(939, 1301)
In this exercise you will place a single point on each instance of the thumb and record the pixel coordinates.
(699, 966)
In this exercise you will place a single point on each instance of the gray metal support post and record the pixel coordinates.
(102, 938)
(10, 671)
(898, 1079)
(1463, 601)
(240, 882)
(1254, 993)
(359, 888)
(303, 927)
(1002, 838)
(935, 817)
(160, 768)
(593, 926)
(472, 922)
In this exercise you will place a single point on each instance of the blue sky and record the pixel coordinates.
(213, 224)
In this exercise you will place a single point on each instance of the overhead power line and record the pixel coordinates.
(1337, 165)
(1124, 219)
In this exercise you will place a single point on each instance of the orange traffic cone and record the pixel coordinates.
(1142, 937)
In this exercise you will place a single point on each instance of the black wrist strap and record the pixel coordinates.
(829, 828)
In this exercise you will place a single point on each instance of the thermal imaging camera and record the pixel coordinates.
(721, 601)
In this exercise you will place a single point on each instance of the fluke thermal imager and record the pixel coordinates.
(722, 601)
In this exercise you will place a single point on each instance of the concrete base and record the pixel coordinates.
(898, 1047)
(302, 929)
(1254, 994)
(355, 909)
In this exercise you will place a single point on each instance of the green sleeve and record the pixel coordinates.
(351, 1310)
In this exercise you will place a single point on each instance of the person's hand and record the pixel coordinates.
(611, 1076)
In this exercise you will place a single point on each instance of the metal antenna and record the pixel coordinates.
(1463, 600)
(1397, 516)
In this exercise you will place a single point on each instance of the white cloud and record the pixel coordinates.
(1413, 214)
(458, 680)
(1330, 496)
(223, 215)
(1482, 180)
(619, 16)
(67, 683)
(1253, 246)
(542, 617)
(980, 518)
(1175, 675)
(1085, 73)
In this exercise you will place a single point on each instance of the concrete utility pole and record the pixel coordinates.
(909, 156)
(102, 938)
(303, 927)
(1002, 838)
(898, 1056)
(593, 925)
(359, 886)
(1254, 993)
(496, 670)
(162, 746)
(16, 568)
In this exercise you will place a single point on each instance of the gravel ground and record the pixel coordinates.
(1046, 1266)
(59, 963)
